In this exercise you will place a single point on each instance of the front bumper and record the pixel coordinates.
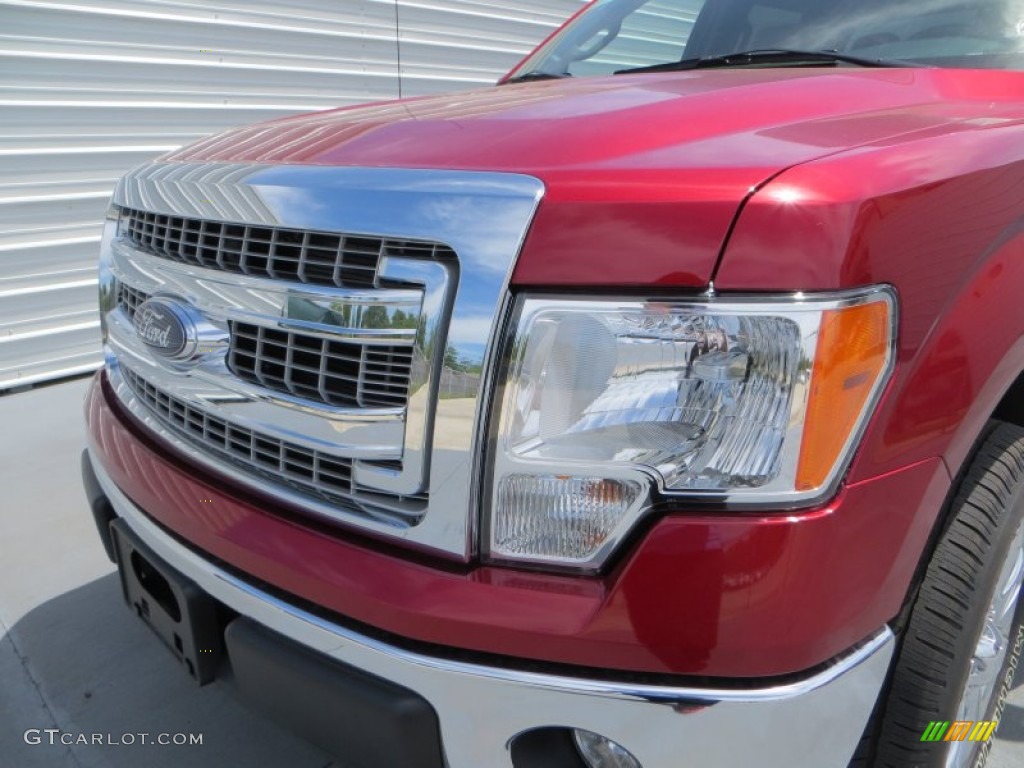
(815, 721)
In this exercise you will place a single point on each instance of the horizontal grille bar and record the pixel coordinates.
(334, 372)
(338, 373)
(318, 258)
(314, 473)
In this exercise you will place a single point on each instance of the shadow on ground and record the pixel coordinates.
(88, 666)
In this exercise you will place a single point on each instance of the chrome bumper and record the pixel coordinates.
(815, 722)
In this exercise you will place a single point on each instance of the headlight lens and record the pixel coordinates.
(607, 403)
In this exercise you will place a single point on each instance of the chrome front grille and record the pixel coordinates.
(338, 328)
(319, 369)
(317, 258)
(308, 471)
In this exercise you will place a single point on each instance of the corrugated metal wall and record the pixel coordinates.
(90, 88)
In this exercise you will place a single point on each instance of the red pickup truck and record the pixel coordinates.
(661, 406)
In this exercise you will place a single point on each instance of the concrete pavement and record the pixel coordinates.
(73, 658)
(71, 654)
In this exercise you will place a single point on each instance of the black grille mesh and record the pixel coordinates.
(320, 258)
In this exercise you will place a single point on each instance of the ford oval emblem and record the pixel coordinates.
(163, 326)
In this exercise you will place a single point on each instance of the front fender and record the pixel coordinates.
(942, 220)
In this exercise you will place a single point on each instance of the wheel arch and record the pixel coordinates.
(1011, 407)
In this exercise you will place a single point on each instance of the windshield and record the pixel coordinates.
(616, 35)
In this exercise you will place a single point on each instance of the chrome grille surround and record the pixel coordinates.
(412, 454)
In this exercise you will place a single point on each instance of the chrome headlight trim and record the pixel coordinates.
(806, 309)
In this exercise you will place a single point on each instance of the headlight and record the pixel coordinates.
(609, 406)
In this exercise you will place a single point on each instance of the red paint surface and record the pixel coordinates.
(834, 179)
(939, 218)
(725, 597)
(644, 173)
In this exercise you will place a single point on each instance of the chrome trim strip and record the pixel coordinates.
(483, 217)
(815, 721)
(228, 296)
(436, 278)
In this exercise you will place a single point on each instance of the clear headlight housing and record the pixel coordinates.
(608, 407)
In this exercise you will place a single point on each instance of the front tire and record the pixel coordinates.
(962, 645)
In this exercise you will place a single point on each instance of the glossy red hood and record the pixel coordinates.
(644, 173)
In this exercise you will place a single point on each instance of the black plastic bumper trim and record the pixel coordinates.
(364, 720)
(102, 511)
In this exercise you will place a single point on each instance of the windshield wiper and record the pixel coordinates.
(768, 57)
(533, 76)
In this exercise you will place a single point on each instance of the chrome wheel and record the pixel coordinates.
(990, 652)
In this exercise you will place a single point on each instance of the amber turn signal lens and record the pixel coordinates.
(853, 349)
